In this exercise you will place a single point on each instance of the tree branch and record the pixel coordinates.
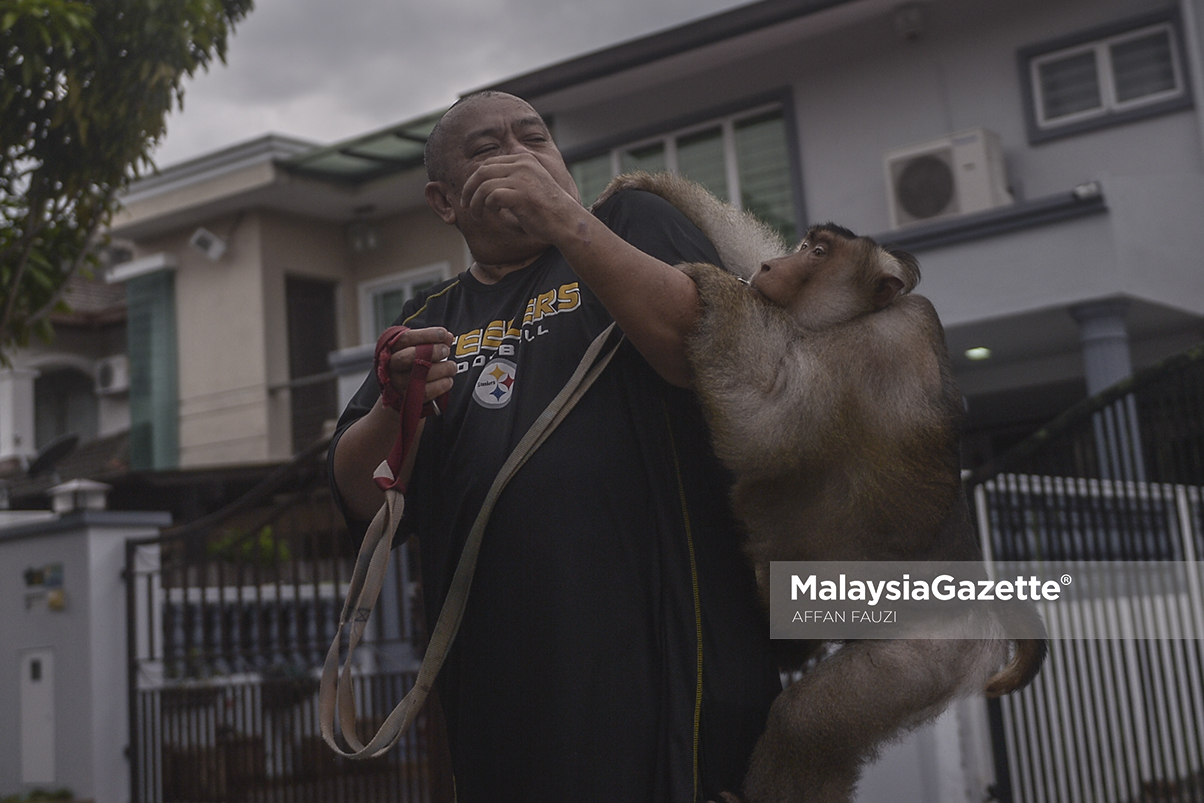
(76, 263)
(30, 236)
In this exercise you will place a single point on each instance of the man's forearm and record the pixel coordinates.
(654, 303)
(363, 447)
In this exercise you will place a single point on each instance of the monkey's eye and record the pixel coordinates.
(820, 250)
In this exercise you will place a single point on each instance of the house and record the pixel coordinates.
(1044, 160)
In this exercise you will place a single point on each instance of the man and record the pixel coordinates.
(611, 649)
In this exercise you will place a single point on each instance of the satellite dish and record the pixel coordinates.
(50, 454)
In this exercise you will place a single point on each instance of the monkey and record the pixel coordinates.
(830, 397)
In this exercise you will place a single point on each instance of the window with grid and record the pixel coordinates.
(1109, 78)
(381, 299)
(743, 159)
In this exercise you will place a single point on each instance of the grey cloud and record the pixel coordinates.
(373, 62)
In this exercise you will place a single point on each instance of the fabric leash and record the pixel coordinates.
(372, 562)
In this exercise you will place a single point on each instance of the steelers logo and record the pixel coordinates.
(495, 385)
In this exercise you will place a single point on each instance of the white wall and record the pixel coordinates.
(87, 638)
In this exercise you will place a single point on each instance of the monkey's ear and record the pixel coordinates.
(907, 268)
(899, 274)
(886, 290)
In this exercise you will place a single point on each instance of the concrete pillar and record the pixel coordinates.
(16, 412)
(353, 366)
(1106, 361)
(1105, 339)
(63, 660)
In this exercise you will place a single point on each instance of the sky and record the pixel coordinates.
(326, 70)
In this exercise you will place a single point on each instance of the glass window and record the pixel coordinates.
(381, 300)
(1143, 67)
(764, 169)
(1069, 85)
(700, 156)
(743, 159)
(592, 176)
(387, 304)
(1126, 74)
(649, 158)
(154, 378)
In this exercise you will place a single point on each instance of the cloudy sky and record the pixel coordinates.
(324, 70)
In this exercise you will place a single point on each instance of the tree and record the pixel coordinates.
(85, 88)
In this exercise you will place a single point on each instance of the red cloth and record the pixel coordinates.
(411, 404)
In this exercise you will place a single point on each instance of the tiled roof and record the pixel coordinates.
(93, 302)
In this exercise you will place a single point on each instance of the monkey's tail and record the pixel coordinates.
(1020, 671)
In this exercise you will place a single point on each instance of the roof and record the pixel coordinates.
(661, 45)
(92, 302)
(369, 156)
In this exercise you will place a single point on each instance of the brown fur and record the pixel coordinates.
(830, 396)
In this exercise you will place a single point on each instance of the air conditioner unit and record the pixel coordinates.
(954, 175)
(113, 375)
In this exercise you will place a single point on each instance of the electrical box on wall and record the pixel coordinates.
(953, 175)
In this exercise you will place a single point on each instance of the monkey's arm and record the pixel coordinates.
(765, 398)
(777, 396)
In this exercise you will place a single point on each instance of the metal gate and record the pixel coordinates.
(229, 622)
(1117, 477)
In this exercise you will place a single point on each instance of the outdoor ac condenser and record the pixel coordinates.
(112, 375)
(953, 175)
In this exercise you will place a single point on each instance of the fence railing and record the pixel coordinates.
(1117, 477)
(230, 618)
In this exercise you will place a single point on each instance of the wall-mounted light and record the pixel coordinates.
(361, 237)
(978, 353)
(208, 244)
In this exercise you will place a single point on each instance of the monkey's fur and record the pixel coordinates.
(829, 393)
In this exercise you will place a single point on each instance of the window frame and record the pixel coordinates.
(366, 292)
(725, 116)
(1110, 112)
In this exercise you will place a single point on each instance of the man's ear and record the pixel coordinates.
(438, 200)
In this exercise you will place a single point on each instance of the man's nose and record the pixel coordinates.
(513, 145)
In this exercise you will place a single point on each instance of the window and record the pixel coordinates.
(1109, 76)
(744, 159)
(154, 373)
(381, 300)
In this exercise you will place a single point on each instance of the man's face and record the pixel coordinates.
(483, 128)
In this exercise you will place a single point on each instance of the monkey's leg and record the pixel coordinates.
(825, 727)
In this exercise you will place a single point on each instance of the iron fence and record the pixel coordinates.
(1118, 477)
(229, 622)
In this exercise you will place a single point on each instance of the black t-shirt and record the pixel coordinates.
(575, 673)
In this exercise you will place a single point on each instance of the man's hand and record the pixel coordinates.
(439, 379)
(521, 191)
(367, 442)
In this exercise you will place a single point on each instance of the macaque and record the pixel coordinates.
(829, 394)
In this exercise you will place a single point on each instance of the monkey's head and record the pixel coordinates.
(834, 276)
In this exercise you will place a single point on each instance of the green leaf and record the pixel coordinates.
(84, 91)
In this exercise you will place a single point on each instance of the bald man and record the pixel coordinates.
(611, 648)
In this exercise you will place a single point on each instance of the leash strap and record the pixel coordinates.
(372, 563)
(411, 405)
